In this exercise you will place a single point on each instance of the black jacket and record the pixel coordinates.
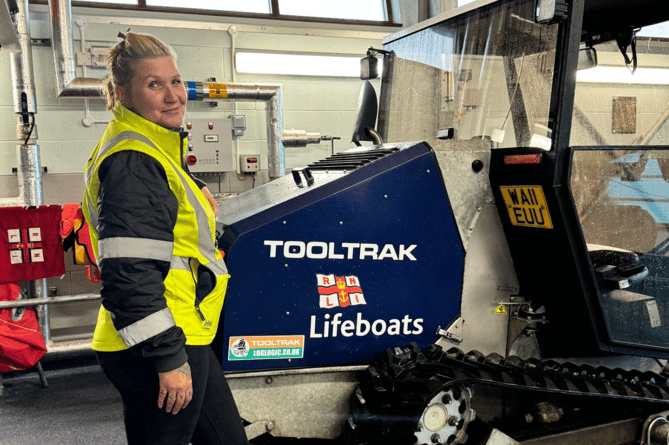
(135, 201)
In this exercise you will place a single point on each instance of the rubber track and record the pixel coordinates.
(399, 383)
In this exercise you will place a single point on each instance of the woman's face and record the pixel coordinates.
(156, 92)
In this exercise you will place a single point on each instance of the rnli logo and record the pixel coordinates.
(339, 291)
(24, 249)
(343, 291)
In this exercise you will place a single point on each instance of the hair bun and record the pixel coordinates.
(123, 36)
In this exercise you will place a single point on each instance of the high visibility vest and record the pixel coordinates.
(193, 246)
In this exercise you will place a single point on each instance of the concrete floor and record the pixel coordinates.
(80, 406)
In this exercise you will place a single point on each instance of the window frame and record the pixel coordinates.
(275, 13)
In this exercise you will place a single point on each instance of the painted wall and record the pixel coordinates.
(595, 101)
(325, 105)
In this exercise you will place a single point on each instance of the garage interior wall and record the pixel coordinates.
(325, 105)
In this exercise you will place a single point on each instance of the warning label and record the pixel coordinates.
(218, 90)
(527, 206)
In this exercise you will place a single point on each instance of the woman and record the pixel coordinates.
(163, 280)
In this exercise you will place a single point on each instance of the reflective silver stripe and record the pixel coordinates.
(124, 247)
(112, 142)
(217, 267)
(147, 327)
(93, 214)
(180, 263)
(103, 150)
(205, 237)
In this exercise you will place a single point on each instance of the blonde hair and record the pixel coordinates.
(123, 58)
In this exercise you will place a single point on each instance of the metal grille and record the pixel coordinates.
(351, 160)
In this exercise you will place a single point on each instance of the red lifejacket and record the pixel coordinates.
(21, 341)
(74, 232)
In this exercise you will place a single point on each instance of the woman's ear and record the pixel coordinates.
(119, 93)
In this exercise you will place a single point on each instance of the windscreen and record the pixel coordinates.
(620, 185)
(487, 75)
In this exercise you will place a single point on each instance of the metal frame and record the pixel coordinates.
(438, 19)
(239, 27)
(48, 300)
(564, 87)
(273, 15)
(9, 40)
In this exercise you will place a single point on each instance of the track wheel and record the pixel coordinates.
(445, 418)
(408, 397)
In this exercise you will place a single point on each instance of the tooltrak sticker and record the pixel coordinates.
(527, 206)
(266, 347)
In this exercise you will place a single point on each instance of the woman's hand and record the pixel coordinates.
(212, 201)
(176, 387)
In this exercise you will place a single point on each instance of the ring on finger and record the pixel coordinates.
(172, 396)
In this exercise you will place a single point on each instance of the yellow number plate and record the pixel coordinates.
(527, 206)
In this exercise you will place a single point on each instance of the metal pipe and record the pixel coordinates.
(66, 349)
(644, 140)
(68, 85)
(27, 151)
(299, 138)
(271, 93)
(23, 88)
(48, 300)
(22, 66)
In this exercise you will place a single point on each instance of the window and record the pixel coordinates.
(368, 11)
(252, 6)
(371, 10)
(297, 64)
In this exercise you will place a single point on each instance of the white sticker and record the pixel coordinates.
(653, 314)
(35, 234)
(37, 255)
(539, 141)
(498, 136)
(14, 236)
(16, 256)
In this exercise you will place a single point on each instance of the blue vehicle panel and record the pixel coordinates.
(370, 261)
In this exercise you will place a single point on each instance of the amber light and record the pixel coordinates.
(523, 159)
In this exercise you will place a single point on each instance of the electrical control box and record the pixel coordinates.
(209, 146)
(249, 163)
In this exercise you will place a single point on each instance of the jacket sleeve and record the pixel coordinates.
(137, 212)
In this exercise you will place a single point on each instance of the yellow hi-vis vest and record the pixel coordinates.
(193, 246)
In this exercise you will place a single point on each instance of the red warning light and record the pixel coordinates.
(191, 159)
(523, 159)
(211, 125)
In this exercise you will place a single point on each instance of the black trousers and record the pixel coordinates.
(211, 418)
